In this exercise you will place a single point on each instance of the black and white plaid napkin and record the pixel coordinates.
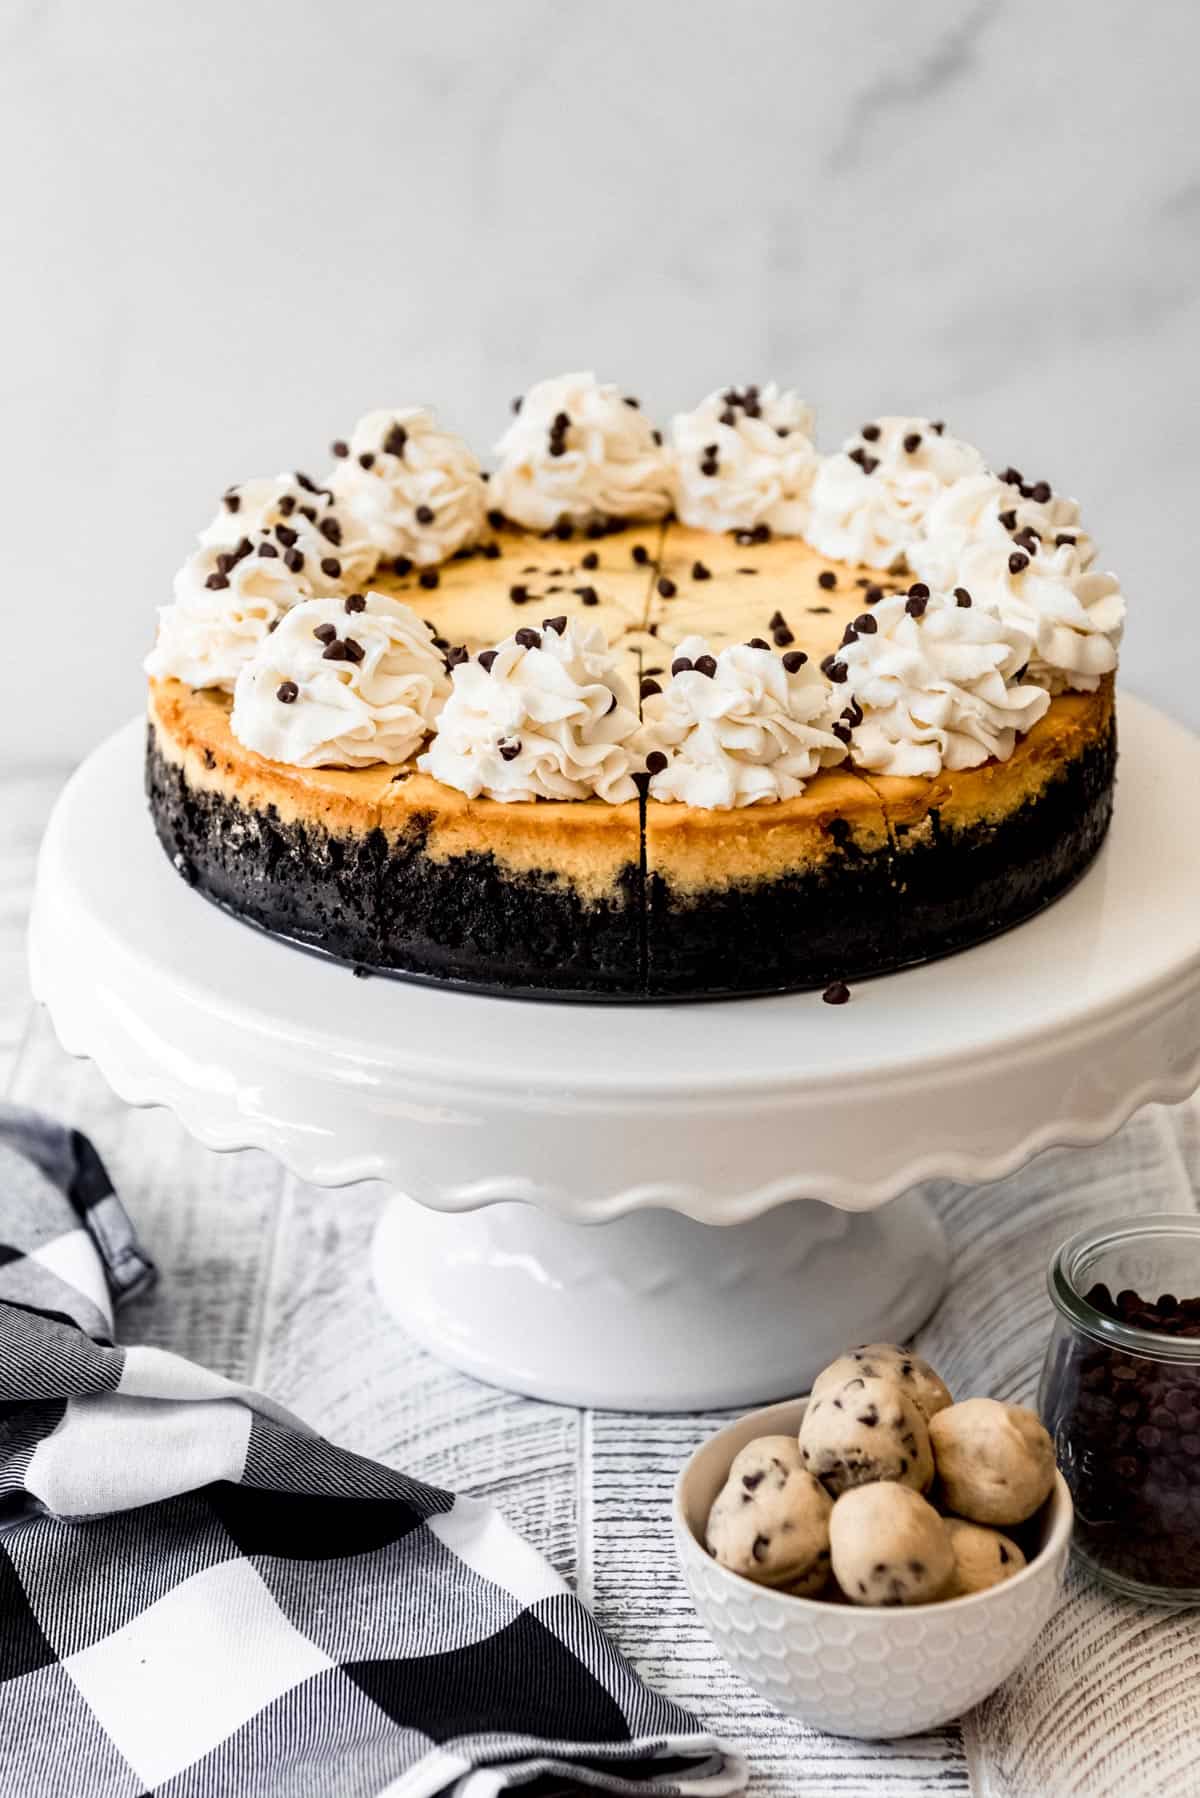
(199, 1596)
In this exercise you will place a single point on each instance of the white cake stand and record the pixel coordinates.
(562, 1167)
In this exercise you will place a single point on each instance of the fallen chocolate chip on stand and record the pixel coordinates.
(836, 993)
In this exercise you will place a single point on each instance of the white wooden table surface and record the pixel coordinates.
(265, 1279)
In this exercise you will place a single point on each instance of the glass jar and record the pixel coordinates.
(1120, 1394)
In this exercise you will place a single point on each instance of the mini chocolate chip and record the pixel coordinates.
(486, 658)
(331, 566)
(354, 650)
(588, 595)
(367, 459)
(216, 581)
(287, 692)
(325, 633)
(1004, 1555)
(528, 638)
(794, 660)
(827, 579)
(869, 464)
(1017, 561)
(656, 761)
(641, 554)
(496, 519)
(402, 566)
(424, 515)
(915, 606)
(557, 625)
(912, 441)
(267, 551)
(591, 560)
(667, 587)
(518, 594)
(938, 425)
(700, 572)
(355, 602)
(918, 590)
(395, 440)
(456, 656)
(835, 670)
(705, 665)
(865, 624)
(1040, 492)
(335, 651)
(873, 595)
(649, 688)
(340, 447)
(429, 578)
(1064, 537)
(782, 636)
(510, 750)
(870, 433)
(962, 597)
(294, 560)
(758, 643)
(681, 665)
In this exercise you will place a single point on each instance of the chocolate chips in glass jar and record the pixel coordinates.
(1127, 1432)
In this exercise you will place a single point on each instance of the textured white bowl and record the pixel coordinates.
(859, 1670)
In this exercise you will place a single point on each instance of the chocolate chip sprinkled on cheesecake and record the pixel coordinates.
(681, 665)
(962, 596)
(649, 688)
(1018, 561)
(430, 578)
(656, 761)
(700, 572)
(794, 660)
(705, 665)
(510, 750)
(528, 638)
(486, 657)
(287, 692)
(667, 587)
(591, 560)
(827, 579)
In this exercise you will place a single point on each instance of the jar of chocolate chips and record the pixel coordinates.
(1120, 1395)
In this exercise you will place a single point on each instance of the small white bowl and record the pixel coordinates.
(859, 1670)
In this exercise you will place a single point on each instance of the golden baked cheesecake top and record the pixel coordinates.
(722, 619)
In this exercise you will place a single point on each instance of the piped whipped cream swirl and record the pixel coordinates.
(341, 683)
(744, 457)
(938, 681)
(311, 534)
(544, 715)
(411, 488)
(225, 605)
(869, 502)
(740, 728)
(579, 451)
(1024, 549)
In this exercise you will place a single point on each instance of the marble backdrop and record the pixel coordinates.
(228, 228)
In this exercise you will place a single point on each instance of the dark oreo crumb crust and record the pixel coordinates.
(391, 908)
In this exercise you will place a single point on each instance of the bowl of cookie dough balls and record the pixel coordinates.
(877, 1558)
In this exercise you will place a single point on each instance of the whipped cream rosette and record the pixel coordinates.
(869, 502)
(544, 715)
(579, 451)
(411, 488)
(744, 457)
(739, 728)
(225, 604)
(936, 682)
(341, 683)
(311, 534)
(1023, 548)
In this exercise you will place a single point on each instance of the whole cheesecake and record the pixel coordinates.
(633, 719)
(393, 871)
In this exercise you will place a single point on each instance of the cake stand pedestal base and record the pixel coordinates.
(654, 1312)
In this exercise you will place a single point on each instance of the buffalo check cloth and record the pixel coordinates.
(198, 1595)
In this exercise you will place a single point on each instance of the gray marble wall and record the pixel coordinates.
(230, 227)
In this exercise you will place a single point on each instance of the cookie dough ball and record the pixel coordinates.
(770, 1520)
(982, 1557)
(886, 1361)
(995, 1461)
(868, 1432)
(889, 1546)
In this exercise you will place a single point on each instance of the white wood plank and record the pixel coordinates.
(28, 797)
